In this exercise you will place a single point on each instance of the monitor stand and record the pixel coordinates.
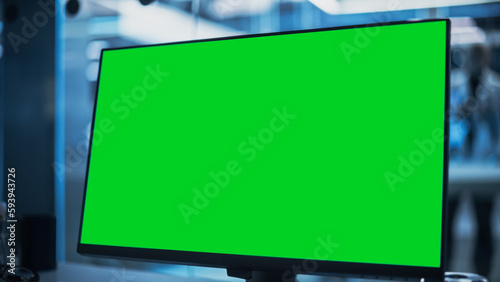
(261, 276)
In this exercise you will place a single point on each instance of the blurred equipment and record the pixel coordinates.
(463, 277)
(72, 7)
(21, 274)
(146, 2)
(37, 241)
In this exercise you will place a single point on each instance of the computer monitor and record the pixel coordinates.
(304, 152)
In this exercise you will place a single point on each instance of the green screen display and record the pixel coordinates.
(315, 145)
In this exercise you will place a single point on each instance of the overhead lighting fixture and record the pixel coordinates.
(224, 9)
(331, 7)
(465, 31)
(146, 24)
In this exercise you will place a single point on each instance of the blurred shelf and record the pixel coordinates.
(474, 178)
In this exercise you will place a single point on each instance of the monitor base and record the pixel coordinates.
(261, 276)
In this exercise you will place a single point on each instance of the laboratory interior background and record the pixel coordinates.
(47, 107)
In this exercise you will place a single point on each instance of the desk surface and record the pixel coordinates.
(75, 272)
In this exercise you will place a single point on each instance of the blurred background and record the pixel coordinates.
(49, 61)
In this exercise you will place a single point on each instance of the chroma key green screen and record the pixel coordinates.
(324, 145)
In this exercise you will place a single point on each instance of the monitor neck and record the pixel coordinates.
(261, 276)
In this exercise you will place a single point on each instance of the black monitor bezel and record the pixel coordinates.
(286, 265)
